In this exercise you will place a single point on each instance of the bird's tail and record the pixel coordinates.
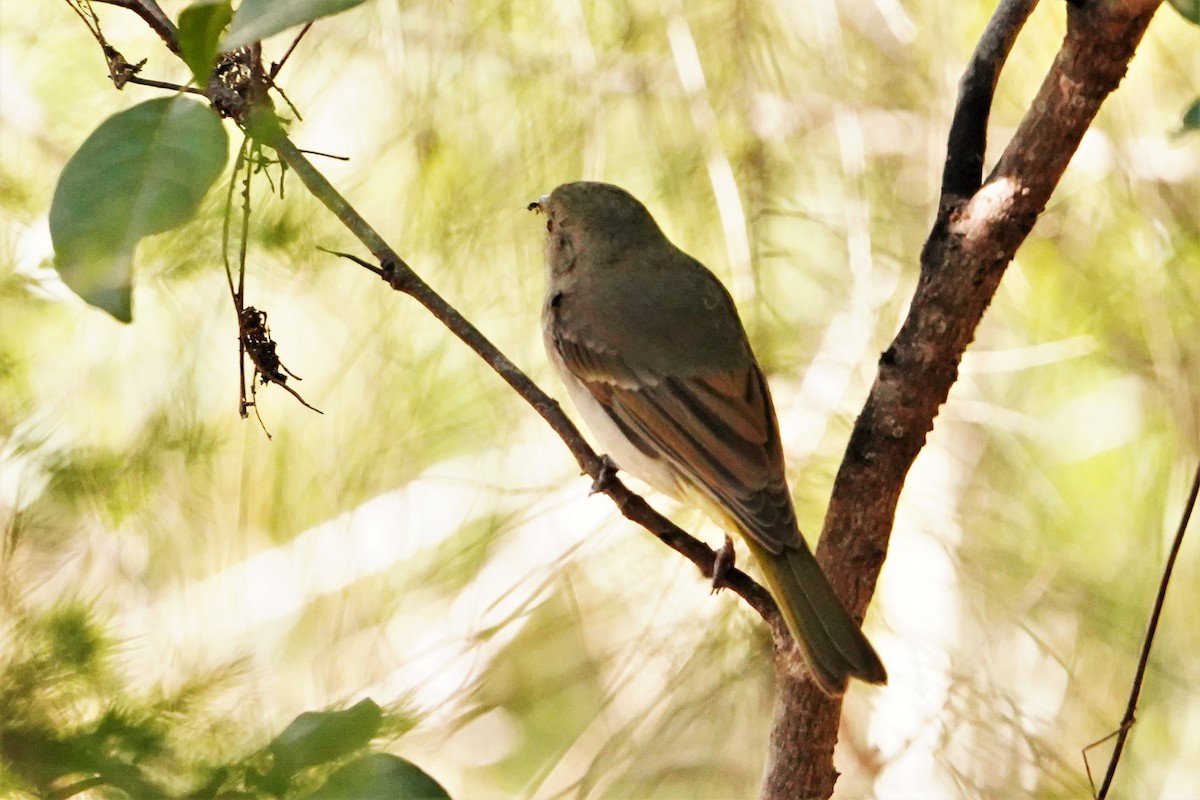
(831, 640)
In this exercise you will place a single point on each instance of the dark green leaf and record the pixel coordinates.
(257, 19)
(1191, 117)
(382, 776)
(1189, 9)
(316, 737)
(200, 28)
(142, 171)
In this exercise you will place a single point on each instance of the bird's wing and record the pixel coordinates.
(717, 431)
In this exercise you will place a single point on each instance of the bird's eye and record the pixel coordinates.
(549, 225)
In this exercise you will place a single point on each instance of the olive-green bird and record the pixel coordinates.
(655, 358)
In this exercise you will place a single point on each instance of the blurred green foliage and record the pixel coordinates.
(427, 541)
(70, 723)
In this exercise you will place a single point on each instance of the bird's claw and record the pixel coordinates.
(608, 471)
(723, 561)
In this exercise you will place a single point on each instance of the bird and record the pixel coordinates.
(656, 360)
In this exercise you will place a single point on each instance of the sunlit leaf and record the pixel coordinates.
(257, 19)
(316, 737)
(200, 28)
(380, 775)
(1189, 9)
(142, 171)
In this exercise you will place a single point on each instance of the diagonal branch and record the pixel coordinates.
(402, 278)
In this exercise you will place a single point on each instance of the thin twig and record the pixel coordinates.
(234, 294)
(174, 87)
(254, 337)
(89, 18)
(274, 73)
(325, 155)
(1135, 691)
(154, 16)
(120, 71)
(244, 233)
(227, 223)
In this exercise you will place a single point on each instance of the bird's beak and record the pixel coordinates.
(539, 205)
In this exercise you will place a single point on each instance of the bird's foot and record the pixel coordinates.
(723, 561)
(608, 471)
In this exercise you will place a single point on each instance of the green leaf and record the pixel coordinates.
(200, 28)
(1191, 117)
(316, 737)
(382, 776)
(142, 171)
(1188, 9)
(255, 20)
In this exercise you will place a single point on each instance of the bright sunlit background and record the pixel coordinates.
(428, 543)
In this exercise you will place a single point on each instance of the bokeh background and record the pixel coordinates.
(428, 543)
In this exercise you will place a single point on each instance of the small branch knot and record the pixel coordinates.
(396, 275)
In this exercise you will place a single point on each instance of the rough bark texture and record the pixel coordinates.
(972, 242)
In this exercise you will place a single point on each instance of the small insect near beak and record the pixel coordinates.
(538, 205)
